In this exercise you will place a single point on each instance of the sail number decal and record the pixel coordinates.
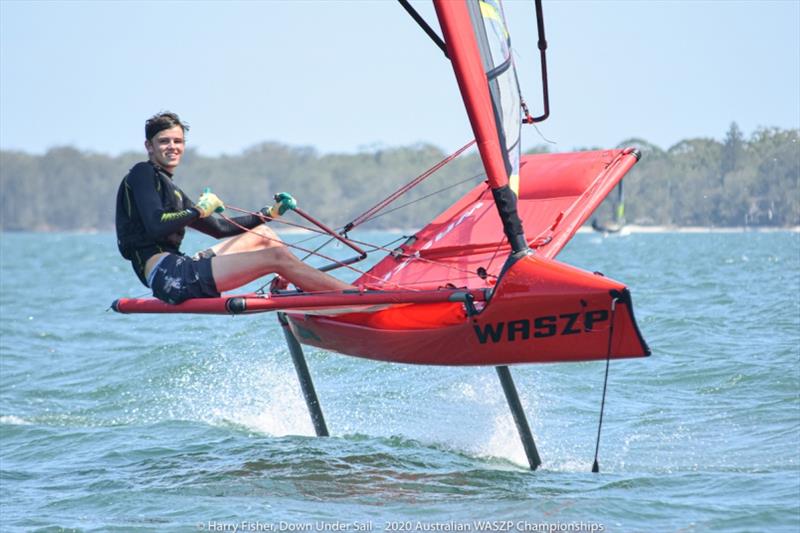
(540, 327)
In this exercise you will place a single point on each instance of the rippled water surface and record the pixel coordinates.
(176, 423)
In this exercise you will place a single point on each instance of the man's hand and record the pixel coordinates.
(283, 202)
(209, 203)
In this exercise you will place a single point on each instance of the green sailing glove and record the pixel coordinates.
(283, 202)
(209, 204)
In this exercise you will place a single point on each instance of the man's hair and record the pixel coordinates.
(162, 121)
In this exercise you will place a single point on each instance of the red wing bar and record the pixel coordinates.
(317, 302)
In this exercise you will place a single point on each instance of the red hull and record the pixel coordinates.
(541, 311)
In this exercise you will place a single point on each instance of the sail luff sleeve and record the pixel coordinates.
(465, 56)
(462, 47)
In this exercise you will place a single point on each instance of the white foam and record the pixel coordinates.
(256, 395)
(12, 420)
(504, 441)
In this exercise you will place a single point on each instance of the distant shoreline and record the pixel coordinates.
(634, 228)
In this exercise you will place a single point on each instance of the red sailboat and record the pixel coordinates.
(479, 284)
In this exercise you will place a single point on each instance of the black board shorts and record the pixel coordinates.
(178, 278)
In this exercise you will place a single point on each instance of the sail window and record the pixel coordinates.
(494, 44)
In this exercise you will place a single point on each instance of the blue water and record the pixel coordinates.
(173, 423)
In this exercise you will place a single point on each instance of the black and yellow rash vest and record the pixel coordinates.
(152, 215)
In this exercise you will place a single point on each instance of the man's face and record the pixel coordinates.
(166, 147)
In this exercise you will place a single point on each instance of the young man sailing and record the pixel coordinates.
(152, 216)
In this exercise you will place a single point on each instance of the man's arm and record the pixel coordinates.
(219, 227)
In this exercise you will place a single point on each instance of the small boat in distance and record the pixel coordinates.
(618, 209)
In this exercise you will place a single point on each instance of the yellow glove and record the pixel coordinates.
(209, 203)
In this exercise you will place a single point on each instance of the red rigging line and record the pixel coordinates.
(343, 239)
(559, 190)
(369, 213)
(375, 247)
(302, 249)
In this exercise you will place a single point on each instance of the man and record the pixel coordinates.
(152, 216)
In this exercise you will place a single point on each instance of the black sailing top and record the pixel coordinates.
(152, 215)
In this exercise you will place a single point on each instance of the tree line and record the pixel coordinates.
(705, 182)
(697, 182)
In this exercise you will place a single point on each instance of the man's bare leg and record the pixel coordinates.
(257, 238)
(231, 270)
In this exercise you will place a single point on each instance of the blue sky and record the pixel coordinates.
(348, 76)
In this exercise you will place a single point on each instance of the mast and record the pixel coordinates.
(479, 49)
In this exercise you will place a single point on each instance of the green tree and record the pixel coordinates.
(732, 151)
(697, 181)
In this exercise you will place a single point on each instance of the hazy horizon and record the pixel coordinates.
(344, 76)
